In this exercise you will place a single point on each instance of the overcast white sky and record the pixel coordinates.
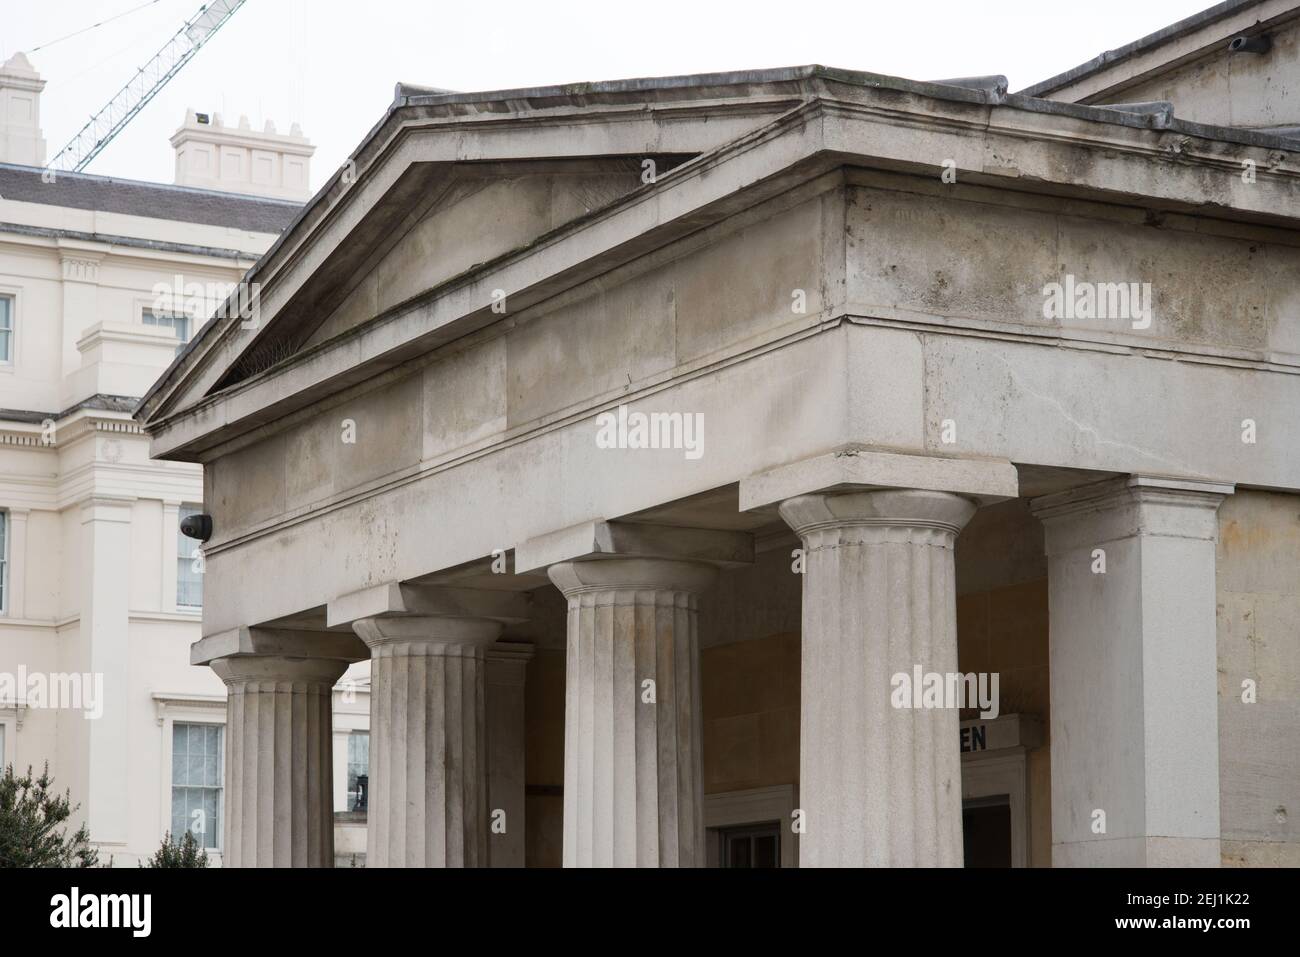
(330, 65)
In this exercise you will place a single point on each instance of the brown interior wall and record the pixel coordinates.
(750, 693)
(1002, 628)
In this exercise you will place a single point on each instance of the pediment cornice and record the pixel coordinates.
(999, 142)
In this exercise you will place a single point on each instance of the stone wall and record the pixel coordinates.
(1259, 641)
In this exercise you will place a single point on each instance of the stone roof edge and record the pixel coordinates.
(1110, 58)
(408, 96)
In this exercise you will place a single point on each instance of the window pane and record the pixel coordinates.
(210, 815)
(6, 327)
(358, 764)
(189, 580)
(211, 772)
(178, 813)
(196, 782)
(738, 852)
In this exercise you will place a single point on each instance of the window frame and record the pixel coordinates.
(13, 295)
(173, 709)
(347, 771)
(751, 808)
(182, 510)
(6, 536)
(147, 309)
(748, 832)
(219, 788)
(347, 717)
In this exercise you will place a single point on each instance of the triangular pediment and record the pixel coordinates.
(438, 222)
(445, 183)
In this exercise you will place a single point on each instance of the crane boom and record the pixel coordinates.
(144, 86)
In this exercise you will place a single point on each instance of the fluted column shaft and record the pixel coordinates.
(428, 741)
(880, 785)
(633, 779)
(279, 760)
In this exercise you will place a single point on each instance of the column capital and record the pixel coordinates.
(1128, 506)
(427, 635)
(279, 673)
(635, 540)
(278, 642)
(912, 516)
(398, 599)
(858, 468)
(632, 574)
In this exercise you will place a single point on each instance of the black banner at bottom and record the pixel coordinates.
(303, 907)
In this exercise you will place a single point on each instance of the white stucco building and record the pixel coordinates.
(101, 282)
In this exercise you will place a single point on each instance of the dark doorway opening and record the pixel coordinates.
(986, 831)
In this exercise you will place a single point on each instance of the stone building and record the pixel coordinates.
(652, 438)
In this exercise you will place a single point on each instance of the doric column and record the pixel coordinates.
(428, 744)
(428, 798)
(633, 790)
(279, 760)
(880, 785)
(1133, 658)
(279, 808)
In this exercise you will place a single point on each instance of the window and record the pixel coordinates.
(6, 328)
(2, 748)
(4, 562)
(358, 769)
(176, 322)
(752, 846)
(189, 563)
(196, 783)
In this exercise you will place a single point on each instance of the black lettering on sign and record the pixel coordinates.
(974, 739)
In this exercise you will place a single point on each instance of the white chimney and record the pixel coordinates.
(20, 113)
(241, 159)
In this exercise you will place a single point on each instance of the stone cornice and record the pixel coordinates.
(79, 425)
(115, 245)
(187, 703)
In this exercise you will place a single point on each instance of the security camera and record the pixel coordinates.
(1256, 44)
(197, 526)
